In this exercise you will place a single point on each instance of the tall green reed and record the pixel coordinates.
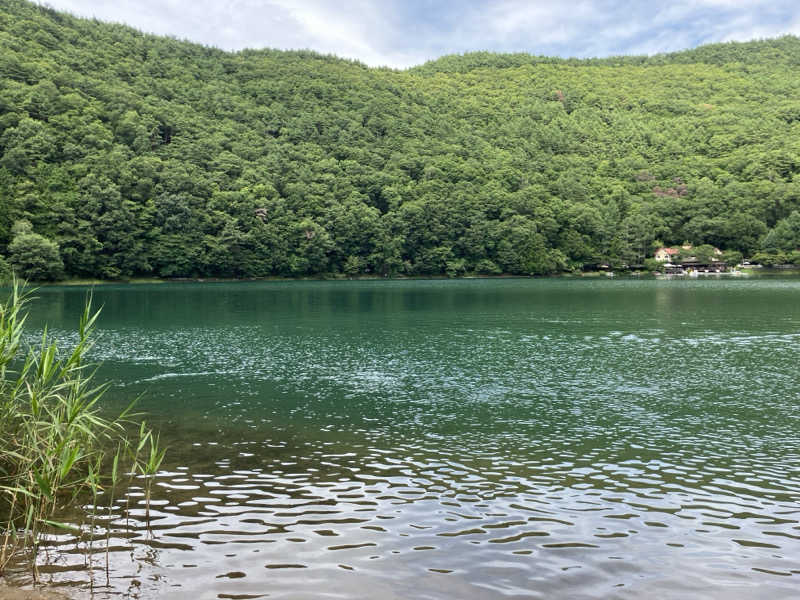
(54, 440)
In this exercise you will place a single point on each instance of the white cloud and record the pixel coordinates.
(401, 33)
(733, 3)
(352, 29)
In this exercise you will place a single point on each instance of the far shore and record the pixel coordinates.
(749, 269)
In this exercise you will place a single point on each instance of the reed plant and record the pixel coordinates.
(54, 439)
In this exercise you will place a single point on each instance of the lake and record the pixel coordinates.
(470, 439)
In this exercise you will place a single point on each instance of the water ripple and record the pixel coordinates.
(573, 444)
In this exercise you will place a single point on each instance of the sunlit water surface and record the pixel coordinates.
(453, 439)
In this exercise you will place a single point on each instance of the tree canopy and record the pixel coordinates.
(138, 155)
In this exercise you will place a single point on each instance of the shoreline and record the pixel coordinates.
(768, 271)
(12, 592)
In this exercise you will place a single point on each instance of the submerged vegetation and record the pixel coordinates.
(130, 155)
(56, 446)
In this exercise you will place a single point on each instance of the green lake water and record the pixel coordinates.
(470, 439)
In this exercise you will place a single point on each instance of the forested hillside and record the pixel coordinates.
(124, 154)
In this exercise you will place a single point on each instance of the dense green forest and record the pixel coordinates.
(124, 154)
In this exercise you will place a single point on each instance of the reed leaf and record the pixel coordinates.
(54, 438)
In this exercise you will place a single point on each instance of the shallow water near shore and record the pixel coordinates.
(453, 439)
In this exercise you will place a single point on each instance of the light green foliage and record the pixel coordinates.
(704, 252)
(352, 265)
(141, 155)
(769, 259)
(487, 267)
(33, 256)
(651, 264)
(732, 257)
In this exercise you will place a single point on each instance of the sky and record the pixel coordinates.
(403, 33)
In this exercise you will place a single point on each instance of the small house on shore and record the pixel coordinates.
(681, 260)
(666, 254)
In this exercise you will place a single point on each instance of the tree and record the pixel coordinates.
(26, 144)
(352, 266)
(732, 257)
(704, 253)
(139, 154)
(5, 270)
(785, 235)
(640, 231)
(743, 232)
(769, 259)
(312, 246)
(522, 250)
(33, 256)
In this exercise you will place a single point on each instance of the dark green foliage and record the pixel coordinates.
(5, 270)
(785, 235)
(139, 155)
